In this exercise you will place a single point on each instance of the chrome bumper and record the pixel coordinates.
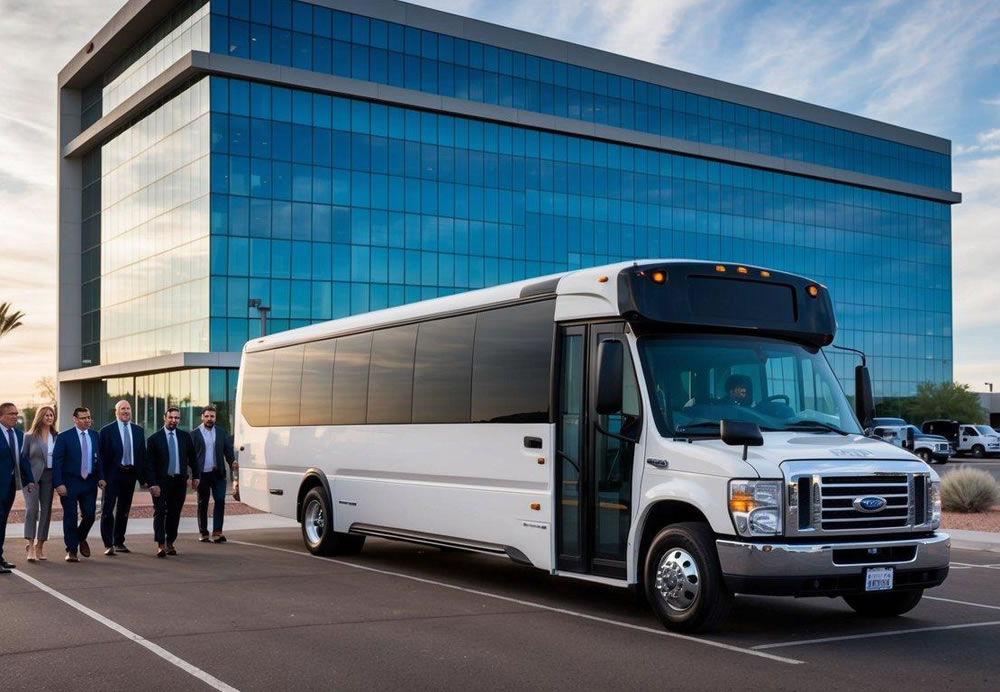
(777, 560)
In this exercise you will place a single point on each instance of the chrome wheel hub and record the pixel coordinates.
(677, 579)
(314, 522)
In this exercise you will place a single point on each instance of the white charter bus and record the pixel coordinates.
(671, 426)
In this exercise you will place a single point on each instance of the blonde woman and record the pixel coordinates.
(38, 446)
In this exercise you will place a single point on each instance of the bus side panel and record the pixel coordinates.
(270, 487)
(471, 481)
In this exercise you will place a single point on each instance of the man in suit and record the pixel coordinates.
(15, 471)
(77, 474)
(123, 455)
(212, 450)
(169, 455)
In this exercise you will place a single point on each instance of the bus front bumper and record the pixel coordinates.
(831, 569)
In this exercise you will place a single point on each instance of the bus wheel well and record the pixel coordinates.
(311, 481)
(663, 514)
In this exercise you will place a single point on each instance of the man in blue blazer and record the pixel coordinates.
(77, 474)
(15, 471)
(123, 456)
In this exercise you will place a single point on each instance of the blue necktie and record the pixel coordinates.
(13, 451)
(175, 462)
(126, 446)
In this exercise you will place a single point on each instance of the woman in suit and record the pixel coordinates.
(38, 446)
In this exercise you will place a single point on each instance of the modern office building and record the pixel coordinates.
(340, 156)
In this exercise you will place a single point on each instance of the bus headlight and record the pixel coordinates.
(756, 507)
(934, 506)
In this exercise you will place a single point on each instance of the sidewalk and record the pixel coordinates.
(974, 540)
(144, 527)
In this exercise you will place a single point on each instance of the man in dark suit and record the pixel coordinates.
(123, 454)
(169, 455)
(212, 451)
(77, 474)
(15, 471)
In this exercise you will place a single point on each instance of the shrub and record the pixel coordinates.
(969, 490)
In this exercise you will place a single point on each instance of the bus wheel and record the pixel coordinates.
(884, 605)
(317, 528)
(683, 579)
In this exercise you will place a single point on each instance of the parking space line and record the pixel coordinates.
(129, 634)
(968, 603)
(970, 565)
(872, 635)
(532, 604)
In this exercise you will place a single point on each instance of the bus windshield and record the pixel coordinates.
(695, 381)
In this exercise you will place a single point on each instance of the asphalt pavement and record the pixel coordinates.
(260, 613)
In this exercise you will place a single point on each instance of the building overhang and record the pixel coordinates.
(148, 366)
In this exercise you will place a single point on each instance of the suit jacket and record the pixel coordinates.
(9, 473)
(67, 457)
(158, 457)
(36, 450)
(112, 450)
(223, 452)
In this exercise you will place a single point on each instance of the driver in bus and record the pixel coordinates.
(738, 391)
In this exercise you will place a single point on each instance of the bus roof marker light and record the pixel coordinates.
(658, 276)
(742, 270)
(765, 274)
(720, 268)
(812, 290)
(602, 279)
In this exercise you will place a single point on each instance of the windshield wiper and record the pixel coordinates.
(814, 424)
(705, 428)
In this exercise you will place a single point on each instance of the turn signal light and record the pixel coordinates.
(536, 506)
(741, 502)
(602, 279)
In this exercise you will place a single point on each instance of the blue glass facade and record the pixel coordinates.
(309, 37)
(323, 205)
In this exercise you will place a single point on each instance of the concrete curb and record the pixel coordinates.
(144, 527)
(974, 540)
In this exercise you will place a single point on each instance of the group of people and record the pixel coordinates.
(76, 463)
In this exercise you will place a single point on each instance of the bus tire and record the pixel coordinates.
(317, 531)
(684, 584)
(884, 605)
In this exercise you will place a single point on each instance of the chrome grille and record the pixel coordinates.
(837, 494)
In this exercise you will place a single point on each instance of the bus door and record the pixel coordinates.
(595, 458)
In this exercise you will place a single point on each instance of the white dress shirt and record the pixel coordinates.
(209, 436)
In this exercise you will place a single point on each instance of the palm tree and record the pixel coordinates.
(9, 322)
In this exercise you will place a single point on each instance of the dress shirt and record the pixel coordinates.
(48, 454)
(209, 436)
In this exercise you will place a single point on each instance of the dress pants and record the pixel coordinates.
(38, 508)
(5, 504)
(116, 504)
(82, 493)
(212, 484)
(167, 509)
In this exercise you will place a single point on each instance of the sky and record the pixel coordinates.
(928, 65)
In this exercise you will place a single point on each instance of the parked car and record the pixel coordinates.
(966, 438)
(931, 448)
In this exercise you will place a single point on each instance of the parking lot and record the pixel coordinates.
(261, 614)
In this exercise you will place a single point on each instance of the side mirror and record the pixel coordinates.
(734, 432)
(909, 439)
(864, 402)
(610, 369)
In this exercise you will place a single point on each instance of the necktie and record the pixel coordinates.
(175, 462)
(126, 446)
(84, 456)
(12, 446)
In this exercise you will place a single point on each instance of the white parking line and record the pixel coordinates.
(968, 603)
(872, 635)
(970, 565)
(531, 604)
(129, 634)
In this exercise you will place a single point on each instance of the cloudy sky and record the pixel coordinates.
(929, 65)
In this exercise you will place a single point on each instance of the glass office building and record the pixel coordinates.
(332, 158)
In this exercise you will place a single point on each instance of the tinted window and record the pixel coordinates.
(350, 379)
(286, 386)
(442, 373)
(510, 366)
(256, 386)
(317, 383)
(390, 385)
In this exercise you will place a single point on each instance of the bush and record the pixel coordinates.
(969, 490)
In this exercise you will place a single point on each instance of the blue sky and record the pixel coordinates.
(932, 66)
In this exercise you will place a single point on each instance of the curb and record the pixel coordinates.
(974, 540)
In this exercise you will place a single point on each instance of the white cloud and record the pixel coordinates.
(985, 142)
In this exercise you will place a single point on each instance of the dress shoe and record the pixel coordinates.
(120, 548)
(160, 552)
(217, 537)
(170, 549)
(203, 538)
(4, 570)
(109, 551)
(71, 557)
(7, 565)
(85, 548)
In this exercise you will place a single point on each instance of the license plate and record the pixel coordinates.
(878, 579)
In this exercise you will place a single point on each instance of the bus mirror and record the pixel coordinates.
(864, 402)
(740, 433)
(610, 364)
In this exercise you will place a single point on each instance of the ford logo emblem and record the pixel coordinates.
(870, 505)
